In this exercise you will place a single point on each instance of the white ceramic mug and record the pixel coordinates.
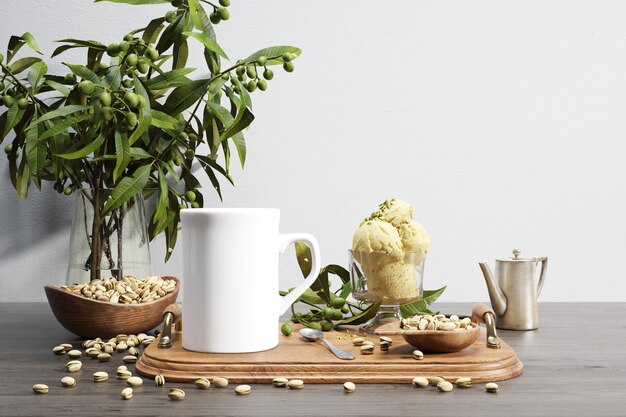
(230, 278)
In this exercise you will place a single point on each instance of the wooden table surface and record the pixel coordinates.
(574, 365)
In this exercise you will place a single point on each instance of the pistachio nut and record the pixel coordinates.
(121, 338)
(220, 382)
(85, 343)
(449, 325)
(109, 348)
(386, 339)
(129, 359)
(59, 350)
(280, 382)
(67, 346)
(73, 366)
(121, 346)
(159, 380)
(68, 381)
(243, 389)
(420, 381)
(349, 386)
(434, 380)
(454, 318)
(92, 353)
(367, 349)
(100, 376)
(40, 389)
(123, 374)
(418, 355)
(127, 393)
(133, 351)
(492, 387)
(295, 384)
(176, 394)
(463, 382)
(122, 368)
(202, 383)
(367, 343)
(358, 341)
(384, 346)
(104, 357)
(445, 386)
(134, 381)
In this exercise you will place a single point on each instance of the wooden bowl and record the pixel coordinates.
(92, 318)
(436, 341)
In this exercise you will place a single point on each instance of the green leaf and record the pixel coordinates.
(144, 123)
(15, 44)
(63, 111)
(160, 212)
(30, 40)
(321, 286)
(135, 2)
(240, 144)
(162, 120)
(22, 64)
(122, 151)
(151, 32)
(362, 317)
(272, 52)
(58, 86)
(139, 153)
(184, 96)
(338, 270)
(169, 79)
(181, 52)
(200, 19)
(303, 255)
(243, 94)
(23, 179)
(170, 34)
(242, 120)
(127, 188)
(35, 153)
(209, 43)
(421, 306)
(114, 75)
(36, 74)
(82, 42)
(309, 296)
(206, 161)
(62, 126)
(89, 149)
(83, 72)
(14, 115)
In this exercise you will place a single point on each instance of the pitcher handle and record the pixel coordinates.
(311, 242)
(542, 275)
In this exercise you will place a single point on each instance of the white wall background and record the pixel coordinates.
(501, 121)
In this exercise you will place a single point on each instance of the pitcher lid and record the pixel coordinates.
(516, 257)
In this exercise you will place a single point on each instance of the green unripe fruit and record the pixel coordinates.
(262, 84)
(189, 153)
(22, 103)
(315, 326)
(182, 206)
(128, 83)
(326, 325)
(131, 120)
(141, 42)
(8, 148)
(131, 99)
(195, 205)
(178, 161)
(142, 102)
(129, 38)
(1, 58)
(225, 3)
(105, 98)
(1, 100)
(328, 312)
(286, 329)
(345, 309)
(124, 45)
(183, 136)
(152, 54)
(69, 78)
(190, 196)
(337, 315)
(107, 113)
(223, 13)
(240, 70)
(9, 101)
(214, 18)
(251, 71)
(193, 137)
(251, 86)
(1, 86)
(143, 67)
(86, 87)
(262, 60)
(286, 57)
(242, 77)
(68, 191)
(177, 3)
(337, 302)
(101, 68)
(268, 74)
(10, 92)
(132, 59)
(113, 49)
(288, 66)
(170, 16)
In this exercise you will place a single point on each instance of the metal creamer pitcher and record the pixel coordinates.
(514, 290)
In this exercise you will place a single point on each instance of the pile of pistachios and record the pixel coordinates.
(128, 290)
(436, 322)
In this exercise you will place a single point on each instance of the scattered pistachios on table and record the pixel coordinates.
(128, 290)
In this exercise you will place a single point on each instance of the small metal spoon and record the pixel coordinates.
(312, 335)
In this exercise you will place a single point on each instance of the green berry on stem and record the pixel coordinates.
(131, 99)
(128, 83)
(337, 302)
(315, 325)
(223, 13)
(240, 70)
(8, 148)
(152, 54)
(107, 113)
(287, 57)
(10, 92)
(129, 38)
(214, 18)
(345, 309)
(288, 66)
(189, 153)
(124, 45)
(327, 325)
(170, 16)
(113, 49)
(190, 196)
(142, 102)
(9, 101)
(132, 59)
(68, 191)
(225, 3)
(86, 87)
(193, 137)
(22, 103)
(131, 120)
(177, 3)
(251, 86)
(1, 58)
(195, 205)
(262, 84)
(268, 74)
(105, 98)
(262, 60)
(251, 71)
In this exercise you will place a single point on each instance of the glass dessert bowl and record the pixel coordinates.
(387, 278)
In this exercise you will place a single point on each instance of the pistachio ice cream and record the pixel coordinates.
(390, 247)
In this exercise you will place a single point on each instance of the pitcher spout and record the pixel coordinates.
(498, 299)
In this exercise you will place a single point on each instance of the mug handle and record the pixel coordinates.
(311, 242)
(542, 275)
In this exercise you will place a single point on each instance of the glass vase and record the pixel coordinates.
(389, 279)
(104, 245)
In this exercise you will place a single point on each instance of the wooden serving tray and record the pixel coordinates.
(314, 363)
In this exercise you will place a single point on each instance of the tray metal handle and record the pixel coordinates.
(482, 313)
(172, 315)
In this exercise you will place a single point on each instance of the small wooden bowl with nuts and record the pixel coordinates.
(92, 317)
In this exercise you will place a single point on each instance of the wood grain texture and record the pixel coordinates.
(571, 368)
(91, 318)
(312, 362)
